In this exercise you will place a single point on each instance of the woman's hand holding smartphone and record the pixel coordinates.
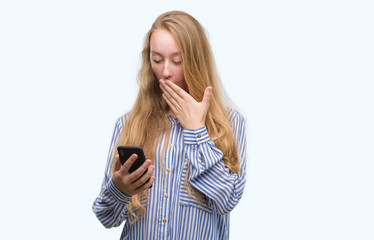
(132, 178)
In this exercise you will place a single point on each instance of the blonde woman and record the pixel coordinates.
(194, 143)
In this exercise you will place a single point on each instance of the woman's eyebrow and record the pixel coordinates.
(173, 54)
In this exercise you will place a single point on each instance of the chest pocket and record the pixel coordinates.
(195, 198)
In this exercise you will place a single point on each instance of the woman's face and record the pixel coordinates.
(166, 58)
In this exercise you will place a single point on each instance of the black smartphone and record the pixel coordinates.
(125, 152)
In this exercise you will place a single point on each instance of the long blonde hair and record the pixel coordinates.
(147, 120)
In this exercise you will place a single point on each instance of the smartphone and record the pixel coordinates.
(125, 152)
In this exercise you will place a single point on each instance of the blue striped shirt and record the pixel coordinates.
(171, 213)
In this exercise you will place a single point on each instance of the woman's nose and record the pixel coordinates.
(166, 72)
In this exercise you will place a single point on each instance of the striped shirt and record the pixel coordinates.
(171, 213)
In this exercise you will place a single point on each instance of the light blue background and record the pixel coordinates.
(301, 72)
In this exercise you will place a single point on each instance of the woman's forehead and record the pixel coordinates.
(163, 42)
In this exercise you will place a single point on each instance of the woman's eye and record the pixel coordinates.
(177, 62)
(156, 60)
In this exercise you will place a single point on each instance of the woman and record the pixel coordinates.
(195, 145)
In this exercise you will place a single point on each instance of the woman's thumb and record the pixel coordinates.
(207, 95)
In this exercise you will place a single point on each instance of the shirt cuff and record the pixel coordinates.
(116, 193)
(195, 136)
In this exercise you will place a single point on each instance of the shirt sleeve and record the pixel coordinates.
(207, 171)
(110, 206)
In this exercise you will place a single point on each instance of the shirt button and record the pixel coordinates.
(125, 199)
(174, 124)
(168, 170)
(166, 196)
(199, 136)
(164, 220)
(170, 145)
